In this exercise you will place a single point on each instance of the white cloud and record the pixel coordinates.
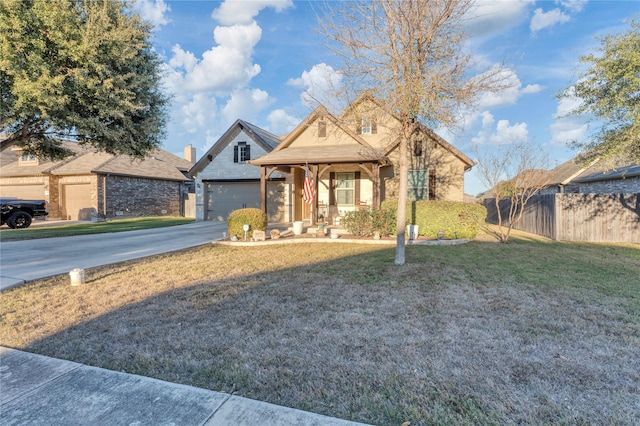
(242, 12)
(508, 96)
(280, 122)
(223, 68)
(573, 5)
(568, 129)
(488, 17)
(543, 19)
(487, 119)
(154, 12)
(246, 104)
(504, 133)
(197, 112)
(319, 86)
(531, 88)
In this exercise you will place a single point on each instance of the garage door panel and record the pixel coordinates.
(24, 192)
(224, 198)
(77, 202)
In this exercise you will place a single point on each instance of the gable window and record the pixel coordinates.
(241, 152)
(368, 126)
(322, 129)
(28, 160)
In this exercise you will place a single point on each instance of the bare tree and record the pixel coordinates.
(411, 56)
(514, 173)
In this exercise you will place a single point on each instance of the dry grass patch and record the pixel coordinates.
(482, 333)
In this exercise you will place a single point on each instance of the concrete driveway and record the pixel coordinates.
(22, 261)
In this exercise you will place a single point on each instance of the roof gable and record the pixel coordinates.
(263, 138)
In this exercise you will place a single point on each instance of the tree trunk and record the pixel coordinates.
(402, 197)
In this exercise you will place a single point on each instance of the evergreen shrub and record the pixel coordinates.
(255, 218)
(455, 219)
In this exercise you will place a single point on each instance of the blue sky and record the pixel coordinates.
(259, 60)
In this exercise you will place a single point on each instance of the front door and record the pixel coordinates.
(302, 210)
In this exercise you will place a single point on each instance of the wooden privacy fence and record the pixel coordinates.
(577, 217)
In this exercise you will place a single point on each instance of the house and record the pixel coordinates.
(353, 159)
(595, 178)
(226, 181)
(92, 184)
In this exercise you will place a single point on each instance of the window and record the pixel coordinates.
(241, 153)
(368, 126)
(422, 184)
(418, 185)
(28, 160)
(322, 129)
(346, 188)
(365, 126)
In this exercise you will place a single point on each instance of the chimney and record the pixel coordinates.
(190, 154)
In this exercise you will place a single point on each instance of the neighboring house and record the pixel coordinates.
(225, 181)
(354, 161)
(92, 184)
(570, 177)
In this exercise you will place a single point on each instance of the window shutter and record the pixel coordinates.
(374, 126)
(322, 129)
(247, 153)
(357, 185)
(332, 189)
(359, 126)
(432, 183)
(235, 154)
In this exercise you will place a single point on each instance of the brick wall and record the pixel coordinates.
(627, 186)
(135, 197)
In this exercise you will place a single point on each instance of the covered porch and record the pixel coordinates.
(345, 178)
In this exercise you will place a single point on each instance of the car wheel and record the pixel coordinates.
(19, 220)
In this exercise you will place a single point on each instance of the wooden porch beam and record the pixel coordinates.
(263, 189)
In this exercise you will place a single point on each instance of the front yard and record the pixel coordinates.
(532, 332)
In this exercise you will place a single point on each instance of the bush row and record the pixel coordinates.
(454, 219)
(365, 222)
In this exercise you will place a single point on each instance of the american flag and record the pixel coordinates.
(308, 192)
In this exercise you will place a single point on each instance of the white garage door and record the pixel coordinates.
(76, 202)
(25, 192)
(223, 198)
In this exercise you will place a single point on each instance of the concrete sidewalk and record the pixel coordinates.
(39, 390)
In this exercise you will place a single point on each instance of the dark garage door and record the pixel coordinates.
(223, 198)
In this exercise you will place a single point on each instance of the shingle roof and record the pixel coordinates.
(571, 171)
(159, 164)
(346, 153)
(631, 170)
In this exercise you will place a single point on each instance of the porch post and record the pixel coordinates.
(314, 215)
(376, 186)
(263, 189)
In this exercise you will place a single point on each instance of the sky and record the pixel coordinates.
(262, 62)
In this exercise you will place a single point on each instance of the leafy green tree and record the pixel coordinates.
(610, 90)
(82, 70)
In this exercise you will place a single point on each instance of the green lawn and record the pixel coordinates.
(34, 232)
(532, 332)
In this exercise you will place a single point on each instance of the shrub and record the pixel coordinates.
(255, 218)
(456, 219)
(366, 222)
